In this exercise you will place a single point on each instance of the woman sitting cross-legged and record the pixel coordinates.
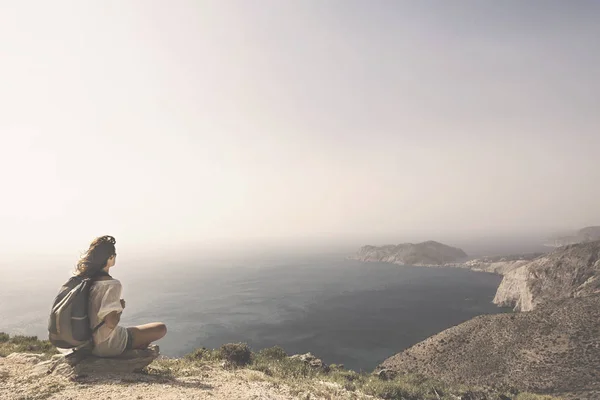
(106, 305)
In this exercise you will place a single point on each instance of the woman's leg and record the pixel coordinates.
(145, 334)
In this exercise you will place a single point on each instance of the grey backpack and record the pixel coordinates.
(69, 323)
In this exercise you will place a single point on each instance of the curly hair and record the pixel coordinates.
(96, 257)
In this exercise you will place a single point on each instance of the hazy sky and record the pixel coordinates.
(173, 121)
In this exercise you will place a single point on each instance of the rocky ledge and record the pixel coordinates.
(75, 365)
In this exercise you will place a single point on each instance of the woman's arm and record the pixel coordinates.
(111, 307)
(112, 319)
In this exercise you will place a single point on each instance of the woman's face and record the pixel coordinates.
(111, 261)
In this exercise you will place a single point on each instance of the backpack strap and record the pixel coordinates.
(97, 327)
(92, 279)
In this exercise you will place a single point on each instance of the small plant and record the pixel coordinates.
(203, 354)
(24, 344)
(236, 353)
(159, 369)
(390, 390)
(273, 353)
(342, 376)
(20, 339)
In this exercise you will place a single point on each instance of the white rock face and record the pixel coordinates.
(570, 271)
(514, 291)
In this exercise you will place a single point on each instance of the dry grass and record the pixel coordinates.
(24, 344)
(273, 365)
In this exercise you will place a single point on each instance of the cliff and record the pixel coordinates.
(553, 349)
(570, 271)
(426, 253)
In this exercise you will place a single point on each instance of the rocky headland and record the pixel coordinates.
(428, 253)
(553, 346)
(570, 271)
(435, 254)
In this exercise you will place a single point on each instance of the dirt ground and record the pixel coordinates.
(20, 380)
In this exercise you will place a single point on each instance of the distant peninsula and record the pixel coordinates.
(585, 235)
(428, 253)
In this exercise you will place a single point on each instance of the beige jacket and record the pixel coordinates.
(105, 297)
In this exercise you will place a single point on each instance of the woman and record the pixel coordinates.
(106, 305)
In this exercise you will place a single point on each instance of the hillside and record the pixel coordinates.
(425, 253)
(553, 349)
(587, 234)
(570, 271)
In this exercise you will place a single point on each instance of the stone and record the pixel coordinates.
(74, 364)
(128, 362)
(311, 360)
(386, 374)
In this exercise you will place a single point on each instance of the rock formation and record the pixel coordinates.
(570, 271)
(553, 349)
(311, 361)
(426, 254)
(128, 362)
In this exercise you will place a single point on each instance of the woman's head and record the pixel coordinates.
(100, 255)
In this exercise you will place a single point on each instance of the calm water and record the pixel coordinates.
(343, 311)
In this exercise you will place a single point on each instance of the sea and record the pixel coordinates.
(343, 311)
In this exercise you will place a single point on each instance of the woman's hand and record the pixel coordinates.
(122, 303)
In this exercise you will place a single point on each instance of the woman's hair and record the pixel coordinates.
(96, 257)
